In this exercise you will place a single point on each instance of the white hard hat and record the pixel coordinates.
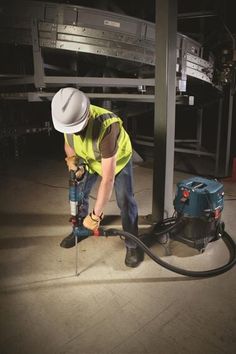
(70, 110)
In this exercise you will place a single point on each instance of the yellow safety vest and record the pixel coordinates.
(87, 147)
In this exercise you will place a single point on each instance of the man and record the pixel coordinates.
(98, 137)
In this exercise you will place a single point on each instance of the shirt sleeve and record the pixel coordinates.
(109, 143)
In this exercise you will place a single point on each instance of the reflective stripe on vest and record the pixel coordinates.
(97, 125)
(88, 147)
(70, 140)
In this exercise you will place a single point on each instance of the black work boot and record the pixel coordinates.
(134, 256)
(69, 241)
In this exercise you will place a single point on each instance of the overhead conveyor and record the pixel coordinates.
(77, 29)
(110, 56)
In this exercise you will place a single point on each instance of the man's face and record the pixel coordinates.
(80, 132)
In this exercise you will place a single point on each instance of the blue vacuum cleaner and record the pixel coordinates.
(197, 221)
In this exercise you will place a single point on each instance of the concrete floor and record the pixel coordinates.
(108, 308)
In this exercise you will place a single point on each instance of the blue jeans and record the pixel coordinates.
(124, 196)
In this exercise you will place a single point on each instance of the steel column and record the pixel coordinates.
(37, 57)
(199, 128)
(229, 130)
(164, 122)
(220, 110)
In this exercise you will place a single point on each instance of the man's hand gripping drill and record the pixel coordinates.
(74, 165)
(90, 225)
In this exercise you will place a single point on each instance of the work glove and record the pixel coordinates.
(72, 164)
(80, 172)
(92, 221)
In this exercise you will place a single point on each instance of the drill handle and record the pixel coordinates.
(72, 177)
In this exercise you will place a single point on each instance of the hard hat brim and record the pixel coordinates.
(71, 129)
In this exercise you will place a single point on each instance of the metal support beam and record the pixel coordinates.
(229, 130)
(218, 139)
(164, 124)
(196, 14)
(81, 81)
(37, 57)
(99, 81)
(199, 127)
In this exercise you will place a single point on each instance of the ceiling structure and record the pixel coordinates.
(127, 44)
(107, 48)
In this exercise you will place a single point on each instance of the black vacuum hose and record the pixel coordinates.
(199, 274)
